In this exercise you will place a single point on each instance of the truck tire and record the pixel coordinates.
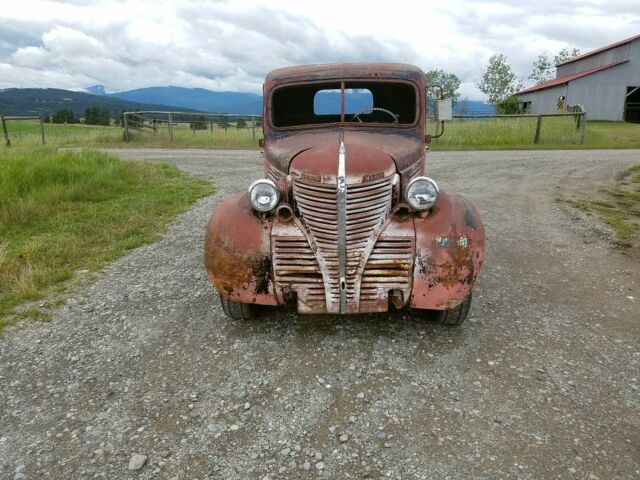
(456, 315)
(236, 310)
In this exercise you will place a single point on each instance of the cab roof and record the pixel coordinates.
(333, 71)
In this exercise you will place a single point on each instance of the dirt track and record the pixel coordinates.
(542, 382)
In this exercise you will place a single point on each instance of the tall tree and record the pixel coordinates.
(565, 54)
(449, 82)
(498, 81)
(542, 70)
(64, 115)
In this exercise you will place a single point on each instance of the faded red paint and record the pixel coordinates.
(449, 253)
(237, 253)
(422, 260)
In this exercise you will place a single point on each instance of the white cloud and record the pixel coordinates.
(231, 45)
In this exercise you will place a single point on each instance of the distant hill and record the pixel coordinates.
(473, 107)
(197, 99)
(251, 103)
(33, 101)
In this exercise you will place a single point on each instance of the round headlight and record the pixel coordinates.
(421, 193)
(263, 195)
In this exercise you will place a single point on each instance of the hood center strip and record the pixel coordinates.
(342, 226)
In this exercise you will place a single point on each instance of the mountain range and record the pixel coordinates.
(33, 101)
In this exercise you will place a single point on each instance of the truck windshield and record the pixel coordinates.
(344, 102)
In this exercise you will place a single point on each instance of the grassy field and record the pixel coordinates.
(618, 207)
(461, 134)
(65, 212)
(27, 133)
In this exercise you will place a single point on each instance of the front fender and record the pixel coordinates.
(237, 252)
(449, 253)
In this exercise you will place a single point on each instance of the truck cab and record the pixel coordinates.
(345, 220)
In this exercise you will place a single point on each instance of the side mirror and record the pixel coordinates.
(444, 110)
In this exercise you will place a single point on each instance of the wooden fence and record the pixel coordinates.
(150, 121)
(5, 131)
(577, 112)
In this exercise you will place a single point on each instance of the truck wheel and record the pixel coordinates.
(236, 310)
(456, 315)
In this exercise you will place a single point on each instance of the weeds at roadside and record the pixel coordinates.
(619, 207)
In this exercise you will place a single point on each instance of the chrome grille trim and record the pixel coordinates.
(342, 226)
(365, 214)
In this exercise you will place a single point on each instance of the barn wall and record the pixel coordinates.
(603, 93)
(544, 101)
(615, 55)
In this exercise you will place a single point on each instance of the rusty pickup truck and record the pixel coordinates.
(345, 220)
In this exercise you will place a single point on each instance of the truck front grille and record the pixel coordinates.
(367, 207)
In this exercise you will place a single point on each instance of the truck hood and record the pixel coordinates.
(403, 149)
(363, 164)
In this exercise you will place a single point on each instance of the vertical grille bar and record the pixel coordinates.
(342, 227)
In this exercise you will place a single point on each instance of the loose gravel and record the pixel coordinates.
(140, 375)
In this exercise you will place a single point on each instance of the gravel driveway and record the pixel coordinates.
(542, 382)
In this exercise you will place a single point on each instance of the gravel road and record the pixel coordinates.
(140, 368)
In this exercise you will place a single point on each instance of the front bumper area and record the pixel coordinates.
(429, 262)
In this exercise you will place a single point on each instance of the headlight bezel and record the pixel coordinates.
(411, 184)
(257, 207)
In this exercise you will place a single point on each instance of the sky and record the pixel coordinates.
(231, 45)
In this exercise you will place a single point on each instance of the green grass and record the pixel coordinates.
(518, 133)
(27, 133)
(460, 134)
(64, 212)
(619, 207)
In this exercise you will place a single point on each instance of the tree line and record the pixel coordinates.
(92, 116)
(498, 81)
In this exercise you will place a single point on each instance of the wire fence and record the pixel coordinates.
(152, 122)
(5, 130)
(213, 130)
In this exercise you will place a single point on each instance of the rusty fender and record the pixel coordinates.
(237, 252)
(449, 253)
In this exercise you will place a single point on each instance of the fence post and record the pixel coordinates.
(4, 131)
(42, 128)
(170, 128)
(538, 127)
(125, 119)
(253, 128)
(211, 125)
(583, 126)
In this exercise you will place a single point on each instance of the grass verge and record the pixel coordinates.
(619, 207)
(64, 212)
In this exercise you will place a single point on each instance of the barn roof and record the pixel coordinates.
(601, 49)
(567, 78)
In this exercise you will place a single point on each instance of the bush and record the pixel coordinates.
(508, 106)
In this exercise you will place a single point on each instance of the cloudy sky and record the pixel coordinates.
(231, 45)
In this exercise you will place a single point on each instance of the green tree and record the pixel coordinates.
(96, 116)
(241, 123)
(565, 55)
(64, 115)
(542, 70)
(498, 81)
(198, 122)
(449, 82)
